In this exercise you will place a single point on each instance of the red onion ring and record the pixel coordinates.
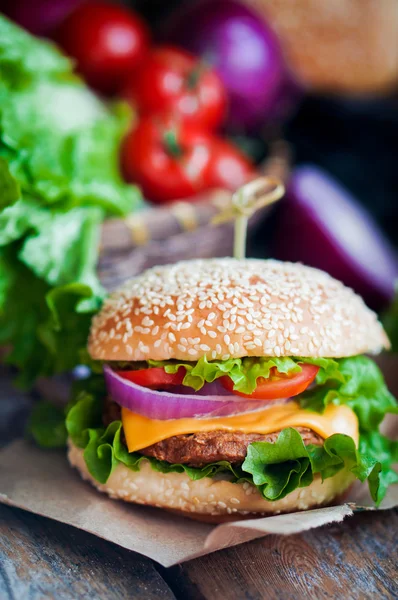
(166, 405)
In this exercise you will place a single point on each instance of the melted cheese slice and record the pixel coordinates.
(141, 431)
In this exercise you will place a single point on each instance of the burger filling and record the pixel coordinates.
(201, 448)
(283, 421)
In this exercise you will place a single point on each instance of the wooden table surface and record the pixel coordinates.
(40, 558)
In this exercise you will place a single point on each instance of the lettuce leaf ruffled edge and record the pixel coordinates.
(244, 372)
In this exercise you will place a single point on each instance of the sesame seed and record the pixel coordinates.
(147, 321)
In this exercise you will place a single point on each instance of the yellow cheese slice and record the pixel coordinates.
(141, 431)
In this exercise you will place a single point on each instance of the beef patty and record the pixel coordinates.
(197, 449)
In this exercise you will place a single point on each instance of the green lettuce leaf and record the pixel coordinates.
(361, 386)
(244, 372)
(362, 389)
(47, 425)
(390, 320)
(385, 451)
(46, 326)
(22, 54)
(9, 187)
(59, 179)
(281, 467)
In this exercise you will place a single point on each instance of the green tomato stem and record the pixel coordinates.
(172, 145)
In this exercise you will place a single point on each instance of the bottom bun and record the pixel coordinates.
(211, 500)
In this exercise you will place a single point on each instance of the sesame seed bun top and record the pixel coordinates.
(226, 308)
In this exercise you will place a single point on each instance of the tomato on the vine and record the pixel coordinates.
(278, 385)
(167, 159)
(174, 81)
(154, 378)
(107, 41)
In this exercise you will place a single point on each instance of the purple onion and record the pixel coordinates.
(322, 225)
(166, 405)
(243, 50)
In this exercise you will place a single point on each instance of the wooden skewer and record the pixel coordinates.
(254, 195)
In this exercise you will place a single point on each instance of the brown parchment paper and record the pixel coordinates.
(42, 482)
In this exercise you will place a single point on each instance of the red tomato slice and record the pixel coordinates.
(278, 385)
(155, 378)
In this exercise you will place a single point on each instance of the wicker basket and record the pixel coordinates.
(180, 231)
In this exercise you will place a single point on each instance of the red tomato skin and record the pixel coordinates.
(229, 168)
(154, 377)
(107, 41)
(281, 387)
(165, 83)
(162, 176)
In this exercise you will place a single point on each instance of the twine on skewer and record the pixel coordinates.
(254, 195)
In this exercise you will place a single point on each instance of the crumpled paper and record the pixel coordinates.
(42, 482)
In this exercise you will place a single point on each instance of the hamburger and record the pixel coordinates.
(228, 388)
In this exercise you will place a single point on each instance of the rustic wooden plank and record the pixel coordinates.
(357, 560)
(40, 558)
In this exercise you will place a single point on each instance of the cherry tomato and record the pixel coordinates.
(174, 81)
(278, 385)
(169, 160)
(107, 41)
(229, 167)
(154, 378)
